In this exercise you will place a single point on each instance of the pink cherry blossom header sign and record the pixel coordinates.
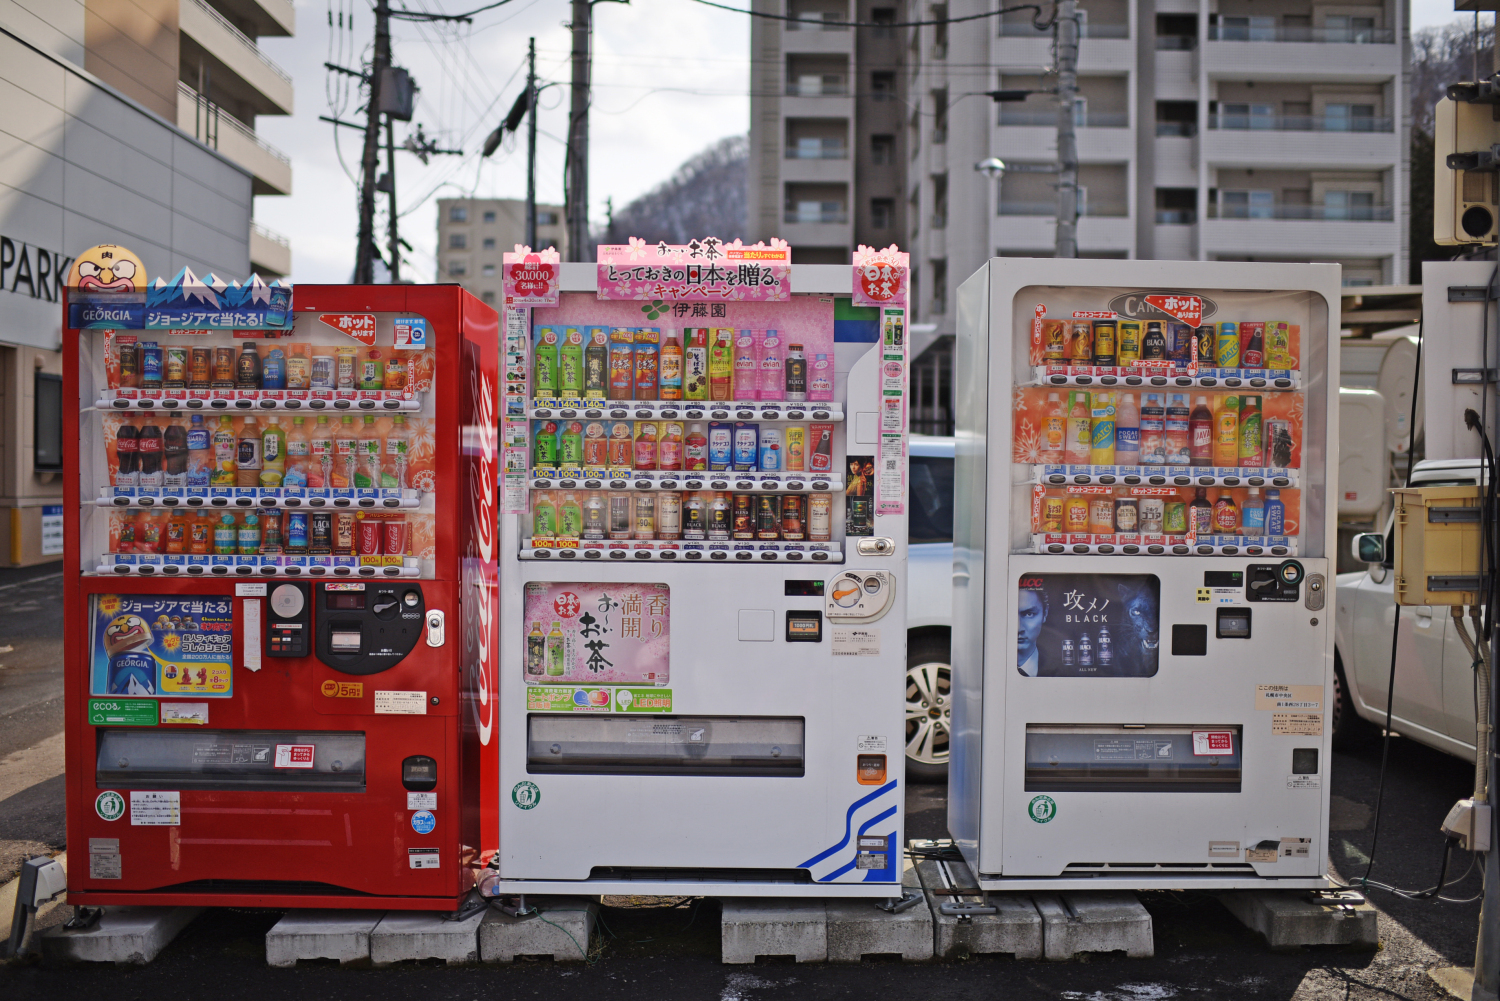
(880, 276)
(707, 270)
(531, 278)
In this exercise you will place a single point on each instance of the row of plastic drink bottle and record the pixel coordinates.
(1107, 429)
(148, 366)
(184, 456)
(1107, 343)
(712, 516)
(269, 532)
(1121, 512)
(625, 363)
(620, 446)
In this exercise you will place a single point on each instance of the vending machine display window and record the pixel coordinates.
(304, 452)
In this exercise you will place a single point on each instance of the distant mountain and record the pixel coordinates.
(704, 197)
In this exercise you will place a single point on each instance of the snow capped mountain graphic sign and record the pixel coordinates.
(188, 302)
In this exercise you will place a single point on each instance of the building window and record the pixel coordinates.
(1248, 29)
(489, 217)
(882, 213)
(457, 269)
(884, 18)
(488, 270)
(940, 115)
(489, 243)
(939, 287)
(1247, 116)
(883, 149)
(47, 435)
(458, 241)
(458, 213)
(940, 31)
(546, 218)
(883, 86)
(1247, 204)
(1349, 118)
(1356, 205)
(488, 297)
(1342, 28)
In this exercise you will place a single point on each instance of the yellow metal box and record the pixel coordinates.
(1437, 545)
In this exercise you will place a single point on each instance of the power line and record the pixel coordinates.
(1036, 18)
(418, 15)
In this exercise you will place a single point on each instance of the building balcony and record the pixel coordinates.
(1316, 213)
(1038, 233)
(1176, 160)
(816, 149)
(1311, 36)
(1298, 239)
(1048, 118)
(1049, 208)
(1349, 62)
(823, 216)
(1176, 74)
(234, 64)
(1303, 144)
(816, 88)
(817, 41)
(817, 234)
(1039, 142)
(216, 128)
(270, 252)
(1175, 239)
(1105, 48)
(270, 17)
(825, 171)
(1089, 30)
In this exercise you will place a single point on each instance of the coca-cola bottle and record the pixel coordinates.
(149, 445)
(127, 442)
(175, 456)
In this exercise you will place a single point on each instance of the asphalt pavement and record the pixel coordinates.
(671, 950)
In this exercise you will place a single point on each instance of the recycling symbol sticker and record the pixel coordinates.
(525, 795)
(1042, 809)
(109, 805)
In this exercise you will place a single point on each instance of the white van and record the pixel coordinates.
(929, 607)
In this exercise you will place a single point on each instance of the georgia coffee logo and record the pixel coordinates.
(1135, 305)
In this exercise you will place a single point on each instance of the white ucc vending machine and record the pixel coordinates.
(1143, 536)
(702, 624)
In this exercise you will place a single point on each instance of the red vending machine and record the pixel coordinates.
(280, 628)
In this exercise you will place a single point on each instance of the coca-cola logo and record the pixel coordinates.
(532, 277)
(479, 548)
(1163, 304)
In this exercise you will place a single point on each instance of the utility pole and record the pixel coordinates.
(531, 145)
(1066, 36)
(364, 260)
(393, 235)
(577, 208)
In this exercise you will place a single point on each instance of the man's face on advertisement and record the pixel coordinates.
(1033, 614)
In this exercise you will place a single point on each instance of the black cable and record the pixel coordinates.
(1036, 19)
(418, 15)
(1390, 687)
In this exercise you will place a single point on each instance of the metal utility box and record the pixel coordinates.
(1438, 545)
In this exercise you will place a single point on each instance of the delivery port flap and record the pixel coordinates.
(269, 760)
(1105, 758)
(665, 745)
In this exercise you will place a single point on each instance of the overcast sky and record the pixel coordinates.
(670, 78)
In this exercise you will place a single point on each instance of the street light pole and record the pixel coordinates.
(577, 208)
(364, 259)
(531, 145)
(1066, 37)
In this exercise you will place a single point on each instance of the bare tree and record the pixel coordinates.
(1444, 55)
(704, 197)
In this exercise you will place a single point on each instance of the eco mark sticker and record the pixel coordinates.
(423, 822)
(525, 795)
(1041, 809)
(109, 805)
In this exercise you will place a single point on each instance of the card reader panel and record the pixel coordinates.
(365, 627)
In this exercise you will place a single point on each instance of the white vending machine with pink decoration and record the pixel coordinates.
(702, 505)
(1143, 559)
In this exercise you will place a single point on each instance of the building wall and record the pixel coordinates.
(132, 45)
(476, 263)
(80, 164)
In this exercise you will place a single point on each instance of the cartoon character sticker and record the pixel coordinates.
(156, 645)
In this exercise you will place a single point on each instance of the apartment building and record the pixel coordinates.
(100, 147)
(474, 232)
(827, 127)
(1221, 130)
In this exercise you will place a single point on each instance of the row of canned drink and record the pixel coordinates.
(1244, 344)
(714, 516)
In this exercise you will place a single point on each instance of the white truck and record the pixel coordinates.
(1434, 700)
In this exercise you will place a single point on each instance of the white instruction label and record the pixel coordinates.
(250, 589)
(185, 712)
(869, 742)
(1303, 782)
(155, 809)
(1289, 698)
(295, 755)
(401, 703)
(422, 858)
(251, 633)
(104, 858)
(421, 801)
(856, 642)
(1297, 724)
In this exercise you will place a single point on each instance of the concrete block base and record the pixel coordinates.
(752, 927)
(1015, 927)
(122, 935)
(340, 935)
(858, 928)
(415, 935)
(1073, 923)
(565, 940)
(1290, 919)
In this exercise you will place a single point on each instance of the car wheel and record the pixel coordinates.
(929, 709)
(1349, 731)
